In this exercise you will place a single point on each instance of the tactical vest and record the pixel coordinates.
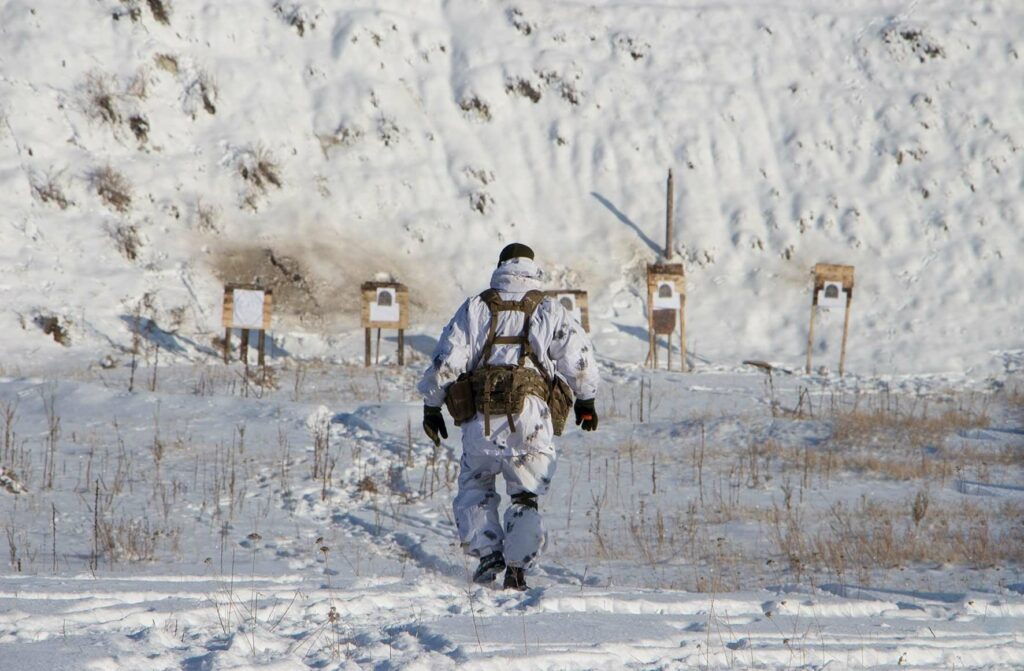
(502, 389)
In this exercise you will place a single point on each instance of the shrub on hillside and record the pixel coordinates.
(112, 187)
(126, 237)
(201, 92)
(161, 10)
(49, 189)
(259, 170)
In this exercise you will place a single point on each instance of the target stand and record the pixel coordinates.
(666, 306)
(833, 288)
(247, 307)
(385, 306)
(575, 301)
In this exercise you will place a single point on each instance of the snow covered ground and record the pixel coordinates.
(188, 515)
(733, 527)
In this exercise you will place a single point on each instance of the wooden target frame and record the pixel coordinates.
(378, 315)
(662, 311)
(233, 318)
(831, 274)
(582, 303)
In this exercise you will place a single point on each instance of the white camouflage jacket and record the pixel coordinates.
(561, 344)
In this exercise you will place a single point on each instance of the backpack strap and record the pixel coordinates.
(527, 305)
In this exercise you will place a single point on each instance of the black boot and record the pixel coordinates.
(490, 566)
(515, 579)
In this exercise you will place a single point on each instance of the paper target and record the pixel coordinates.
(386, 307)
(832, 295)
(247, 309)
(666, 297)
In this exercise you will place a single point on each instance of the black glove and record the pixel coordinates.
(433, 424)
(586, 415)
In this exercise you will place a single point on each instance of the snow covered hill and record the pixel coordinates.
(163, 510)
(152, 149)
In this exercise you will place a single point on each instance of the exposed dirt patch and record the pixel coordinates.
(316, 287)
(524, 88)
(901, 39)
(476, 108)
(53, 327)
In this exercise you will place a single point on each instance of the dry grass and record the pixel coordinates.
(49, 189)
(894, 444)
(773, 489)
(112, 187)
(167, 63)
(885, 427)
(475, 108)
(202, 92)
(126, 237)
(881, 534)
(161, 10)
(101, 101)
(259, 170)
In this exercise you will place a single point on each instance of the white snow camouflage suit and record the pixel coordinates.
(525, 458)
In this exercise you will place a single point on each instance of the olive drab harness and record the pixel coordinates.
(503, 389)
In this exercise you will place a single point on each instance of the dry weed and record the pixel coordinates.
(49, 189)
(126, 237)
(167, 63)
(112, 187)
(161, 10)
(202, 92)
(476, 108)
(880, 534)
(258, 167)
(886, 427)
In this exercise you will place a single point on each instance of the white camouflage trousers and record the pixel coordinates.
(526, 460)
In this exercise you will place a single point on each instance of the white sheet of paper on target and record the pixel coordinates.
(247, 309)
(385, 308)
(568, 301)
(666, 297)
(832, 296)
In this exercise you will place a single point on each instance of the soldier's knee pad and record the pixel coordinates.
(527, 499)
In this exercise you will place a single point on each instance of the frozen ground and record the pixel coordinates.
(671, 539)
(193, 517)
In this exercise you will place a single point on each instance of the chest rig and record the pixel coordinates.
(502, 389)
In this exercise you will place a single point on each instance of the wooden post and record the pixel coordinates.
(810, 331)
(846, 328)
(376, 361)
(262, 348)
(243, 351)
(668, 221)
(684, 366)
(369, 348)
(652, 341)
(227, 344)
(401, 347)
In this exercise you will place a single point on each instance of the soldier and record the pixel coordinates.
(507, 366)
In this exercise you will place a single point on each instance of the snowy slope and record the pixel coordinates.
(415, 138)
